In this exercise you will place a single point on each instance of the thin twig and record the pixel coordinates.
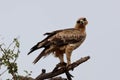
(3, 72)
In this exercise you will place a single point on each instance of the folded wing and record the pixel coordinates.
(57, 39)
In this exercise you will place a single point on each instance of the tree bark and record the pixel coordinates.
(52, 74)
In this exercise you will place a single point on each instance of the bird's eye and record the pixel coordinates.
(84, 19)
(78, 21)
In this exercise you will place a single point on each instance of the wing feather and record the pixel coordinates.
(44, 42)
(67, 37)
(57, 39)
(44, 53)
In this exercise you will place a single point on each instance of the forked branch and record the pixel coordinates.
(52, 74)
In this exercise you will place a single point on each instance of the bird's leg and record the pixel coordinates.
(68, 52)
(68, 56)
(61, 58)
(59, 54)
(62, 63)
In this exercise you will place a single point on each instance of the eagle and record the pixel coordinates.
(62, 42)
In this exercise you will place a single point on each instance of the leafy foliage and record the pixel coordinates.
(28, 74)
(9, 57)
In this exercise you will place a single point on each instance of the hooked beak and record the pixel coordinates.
(81, 22)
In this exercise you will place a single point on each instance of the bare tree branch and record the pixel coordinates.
(52, 74)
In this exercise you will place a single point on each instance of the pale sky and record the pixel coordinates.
(30, 19)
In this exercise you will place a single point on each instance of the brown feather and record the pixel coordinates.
(60, 40)
(68, 36)
(44, 53)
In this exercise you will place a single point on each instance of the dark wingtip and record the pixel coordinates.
(29, 52)
(46, 34)
(33, 49)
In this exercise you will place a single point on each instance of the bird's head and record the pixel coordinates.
(82, 21)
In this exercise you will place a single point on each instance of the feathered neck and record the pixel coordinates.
(80, 27)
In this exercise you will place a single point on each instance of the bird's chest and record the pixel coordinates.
(76, 45)
(73, 46)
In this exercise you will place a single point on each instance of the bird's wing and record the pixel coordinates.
(45, 42)
(54, 32)
(68, 36)
(58, 39)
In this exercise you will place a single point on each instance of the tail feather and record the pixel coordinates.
(39, 56)
(44, 53)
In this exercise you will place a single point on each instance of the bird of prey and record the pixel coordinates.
(62, 42)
